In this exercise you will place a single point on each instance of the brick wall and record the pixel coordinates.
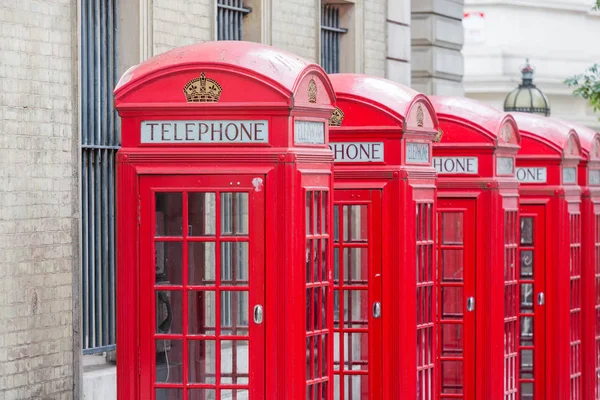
(295, 27)
(37, 181)
(375, 37)
(181, 22)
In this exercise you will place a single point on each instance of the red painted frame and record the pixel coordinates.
(589, 180)
(551, 145)
(257, 82)
(381, 111)
(474, 131)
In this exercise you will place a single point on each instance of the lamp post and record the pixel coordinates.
(527, 97)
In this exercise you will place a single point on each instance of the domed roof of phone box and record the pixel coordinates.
(589, 138)
(546, 136)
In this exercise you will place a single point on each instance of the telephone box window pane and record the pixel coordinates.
(527, 231)
(201, 263)
(315, 212)
(336, 265)
(309, 360)
(201, 360)
(309, 258)
(526, 263)
(452, 340)
(169, 211)
(356, 351)
(316, 261)
(452, 228)
(324, 265)
(234, 213)
(526, 390)
(239, 394)
(526, 328)
(356, 386)
(201, 214)
(201, 315)
(452, 265)
(234, 263)
(324, 214)
(356, 309)
(526, 360)
(234, 362)
(308, 213)
(168, 312)
(201, 394)
(355, 223)
(169, 361)
(452, 302)
(452, 377)
(356, 263)
(324, 291)
(168, 263)
(336, 224)
(170, 394)
(527, 297)
(234, 313)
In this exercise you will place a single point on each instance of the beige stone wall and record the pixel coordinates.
(181, 22)
(375, 37)
(37, 182)
(295, 27)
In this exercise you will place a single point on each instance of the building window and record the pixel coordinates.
(100, 141)
(230, 17)
(331, 35)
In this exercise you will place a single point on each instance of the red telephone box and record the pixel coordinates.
(384, 203)
(477, 213)
(224, 219)
(589, 180)
(550, 260)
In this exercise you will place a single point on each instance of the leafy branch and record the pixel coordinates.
(597, 6)
(587, 85)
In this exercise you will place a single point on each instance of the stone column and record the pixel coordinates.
(398, 41)
(437, 40)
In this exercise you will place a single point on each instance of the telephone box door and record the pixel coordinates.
(202, 287)
(532, 278)
(456, 283)
(358, 305)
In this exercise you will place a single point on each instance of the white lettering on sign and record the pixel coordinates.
(505, 166)
(204, 132)
(417, 152)
(570, 175)
(309, 132)
(357, 151)
(456, 165)
(532, 174)
(594, 177)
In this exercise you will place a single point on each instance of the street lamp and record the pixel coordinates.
(527, 97)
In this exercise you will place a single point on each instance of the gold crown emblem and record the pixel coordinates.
(420, 116)
(202, 90)
(337, 116)
(312, 91)
(438, 136)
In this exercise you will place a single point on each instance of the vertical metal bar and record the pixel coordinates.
(91, 253)
(229, 22)
(337, 41)
(105, 258)
(98, 249)
(331, 39)
(219, 22)
(111, 250)
(110, 73)
(239, 21)
(85, 250)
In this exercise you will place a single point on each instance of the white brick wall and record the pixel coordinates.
(375, 37)
(36, 185)
(295, 27)
(181, 22)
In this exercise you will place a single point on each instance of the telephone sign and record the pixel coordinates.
(570, 175)
(505, 166)
(357, 151)
(456, 165)
(309, 132)
(532, 174)
(417, 153)
(205, 132)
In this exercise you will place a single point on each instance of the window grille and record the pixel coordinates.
(100, 141)
(331, 34)
(230, 17)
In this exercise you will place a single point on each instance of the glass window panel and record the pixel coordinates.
(355, 223)
(324, 213)
(201, 394)
(526, 391)
(315, 212)
(527, 296)
(234, 213)
(237, 394)
(356, 266)
(309, 361)
(452, 228)
(169, 213)
(234, 263)
(324, 366)
(324, 266)
(324, 291)
(526, 328)
(201, 316)
(309, 309)
(452, 340)
(316, 261)
(336, 223)
(452, 302)
(336, 351)
(356, 386)
(452, 377)
(336, 265)
(526, 263)
(201, 361)
(201, 263)
(316, 356)
(356, 308)
(527, 230)
(168, 263)
(169, 360)
(201, 214)
(452, 265)
(308, 213)
(309, 257)
(234, 362)
(169, 394)
(234, 312)
(356, 351)
(168, 312)
(336, 308)
(527, 360)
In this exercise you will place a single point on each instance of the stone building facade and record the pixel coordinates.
(41, 79)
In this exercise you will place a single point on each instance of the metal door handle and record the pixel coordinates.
(376, 309)
(541, 299)
(470, 304)
(258, 314)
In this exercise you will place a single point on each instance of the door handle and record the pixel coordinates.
(470, 304)
(376, 309)
(541, 299)
(258, 314)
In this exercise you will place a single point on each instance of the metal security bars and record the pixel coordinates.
(230, 17)
(100, 141)
(331, 34)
